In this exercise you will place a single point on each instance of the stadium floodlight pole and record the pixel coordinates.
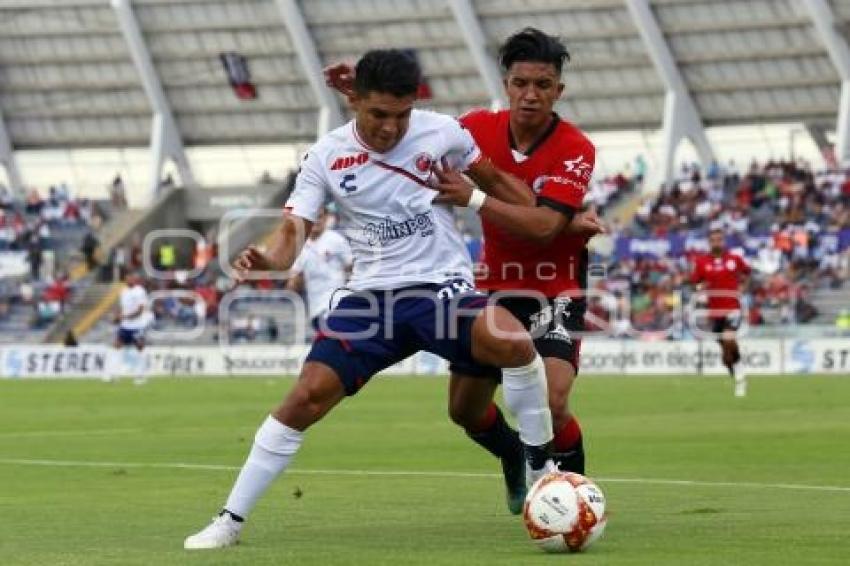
(681, 116)
(8, 160)
(826, 25)
(330, 113)
(166, 141)
(476, 42)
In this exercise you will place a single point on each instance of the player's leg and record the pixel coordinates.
(567, 445)
(727, 327)
(140, 365)
(733, 353)
(334, 368)
(276, 442)
(498, 339)
(554, 326)
(472, 408)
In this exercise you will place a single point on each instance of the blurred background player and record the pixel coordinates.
(721, 274)
(322, 267)
(132, 317)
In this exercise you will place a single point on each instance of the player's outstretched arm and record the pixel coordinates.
(540, 224)
(499, 184)
(286, 244)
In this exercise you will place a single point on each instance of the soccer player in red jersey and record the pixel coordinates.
(534, 246)
(720, 274)
(539, 250)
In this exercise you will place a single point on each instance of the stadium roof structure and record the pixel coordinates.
(107, 73)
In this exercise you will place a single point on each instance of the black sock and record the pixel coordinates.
(233, 516)
(572, 459)
(499, 439)
(536, 456)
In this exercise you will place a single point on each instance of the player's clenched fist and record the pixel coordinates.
(340, 77)
(251, 259)
(586, 224)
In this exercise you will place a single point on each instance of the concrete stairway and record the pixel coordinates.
(829, 303)
(94, 301)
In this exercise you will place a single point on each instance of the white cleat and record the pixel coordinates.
(531, 476)
(221, 533)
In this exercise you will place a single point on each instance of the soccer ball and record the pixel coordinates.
(564, 512)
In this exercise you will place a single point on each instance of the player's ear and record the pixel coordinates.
(561, 87)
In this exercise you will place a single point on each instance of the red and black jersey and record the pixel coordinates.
(558, 168)
(722, 275)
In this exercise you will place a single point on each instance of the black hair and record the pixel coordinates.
(391, 71)
(531, 44)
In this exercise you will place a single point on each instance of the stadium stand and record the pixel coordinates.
(792, 223)
(70, 79)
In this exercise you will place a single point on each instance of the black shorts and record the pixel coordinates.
(730, 321)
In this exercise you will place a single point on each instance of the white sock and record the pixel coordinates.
(141, 364)
(274, 446)
(527, 397)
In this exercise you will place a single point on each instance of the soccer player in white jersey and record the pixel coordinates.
(412, 277)
(133, 318)
(321, 268)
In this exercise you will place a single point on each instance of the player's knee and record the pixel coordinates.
(558, 405)
(306, 403)
(461, 415)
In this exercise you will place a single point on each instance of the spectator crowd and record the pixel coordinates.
(790, 222)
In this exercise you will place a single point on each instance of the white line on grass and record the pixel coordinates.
(38, 433)
(409, 473)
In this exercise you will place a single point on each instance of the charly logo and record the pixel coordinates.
(379, 233)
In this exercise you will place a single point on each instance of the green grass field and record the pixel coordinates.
(94, 473)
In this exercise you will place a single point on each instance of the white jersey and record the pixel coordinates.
(398, 237)
(131, 299)
(324, 262)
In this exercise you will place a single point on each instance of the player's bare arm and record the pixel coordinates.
(499, 184)
(540, 224)
(295, 283)
(286, 244)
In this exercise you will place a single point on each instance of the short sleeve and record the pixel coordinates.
(744, 266)
(461, 150)
(311, 189)
(568, 179)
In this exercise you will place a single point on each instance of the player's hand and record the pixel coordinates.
(250, 260)
(340, 77)
(586, 224)
(452, 185)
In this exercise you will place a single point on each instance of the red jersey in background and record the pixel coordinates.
(722, 274)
